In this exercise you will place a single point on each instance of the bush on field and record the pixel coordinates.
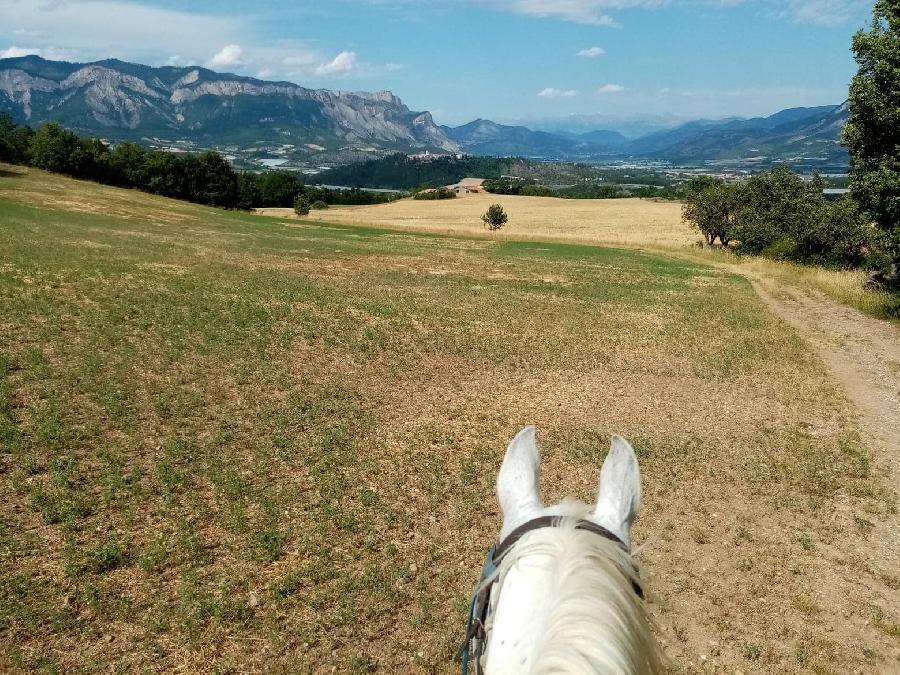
(495, 217)
(439, 193)
(301, 206)
(318, 205)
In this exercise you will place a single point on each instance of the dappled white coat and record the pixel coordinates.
(564, 601)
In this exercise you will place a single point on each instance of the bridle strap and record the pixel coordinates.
(550, 521)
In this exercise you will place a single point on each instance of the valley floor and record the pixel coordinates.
(233, 443)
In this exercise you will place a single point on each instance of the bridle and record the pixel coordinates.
(472, 649)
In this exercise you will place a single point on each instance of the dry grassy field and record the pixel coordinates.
(231, 443)
(616, 222)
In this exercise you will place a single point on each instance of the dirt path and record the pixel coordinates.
(863, 354)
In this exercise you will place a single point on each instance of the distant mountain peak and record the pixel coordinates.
(119, 100)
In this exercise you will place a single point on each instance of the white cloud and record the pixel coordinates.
(553, 92)
(821, 12)
(342, 64)
(88, 30)
(611, 89)
(592, 52)
(227, 57)
(15, 52)
(600, 12)
(53, 53)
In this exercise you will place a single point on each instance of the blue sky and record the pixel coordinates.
(499, 59)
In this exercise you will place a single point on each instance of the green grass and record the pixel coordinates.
(236, 443)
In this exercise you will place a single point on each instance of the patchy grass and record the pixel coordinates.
(233, 443)
(630, 223)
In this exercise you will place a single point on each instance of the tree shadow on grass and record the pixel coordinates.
(6, 173)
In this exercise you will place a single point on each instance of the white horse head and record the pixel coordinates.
(565, 597)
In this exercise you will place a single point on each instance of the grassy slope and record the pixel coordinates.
(230, 442)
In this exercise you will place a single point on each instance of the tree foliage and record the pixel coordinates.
(302, 206)
(872, 133)
(779, 215)
(495, 217)
(15, 141)
(434, 194)
(709, 205)
(205, 178)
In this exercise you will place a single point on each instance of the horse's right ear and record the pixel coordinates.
(619, 497)
(518, 488)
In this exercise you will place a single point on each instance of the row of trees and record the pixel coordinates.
(779, 215)
(282, 189)
(434, 194)
(204, 178)
(585, 190)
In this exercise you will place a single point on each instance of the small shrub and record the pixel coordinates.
(495, 217)
(108, 556)
(319, 205)
(301, 206)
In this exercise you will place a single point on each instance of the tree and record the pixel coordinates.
(775, 210)
(301, 206)
(249, 194)
(709, 206)
(495, 217)
(280, 188)
(14, 140)
(872, 133)
(56, 149)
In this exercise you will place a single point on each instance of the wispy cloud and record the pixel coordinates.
(602, 12)
(610, 89)
(85, 30)
(553, 92)
(592, 52)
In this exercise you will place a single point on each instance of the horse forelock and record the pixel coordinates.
(585, 617)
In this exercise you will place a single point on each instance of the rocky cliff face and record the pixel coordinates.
(119, 100)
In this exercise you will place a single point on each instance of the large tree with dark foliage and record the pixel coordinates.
(14, 140)
(872, 133)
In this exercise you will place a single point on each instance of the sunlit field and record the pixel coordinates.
(231, 443)
(616, 222)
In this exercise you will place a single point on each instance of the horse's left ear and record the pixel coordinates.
(518, 488)
(619, 497)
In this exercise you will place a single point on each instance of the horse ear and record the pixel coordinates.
(619, 498)
(518, 488)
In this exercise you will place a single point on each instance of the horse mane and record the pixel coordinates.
(595, 623)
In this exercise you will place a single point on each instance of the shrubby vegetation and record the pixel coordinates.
(779, 215)
(495, 217)
(585, 190)
(302, 206)
(872, 133)
(434, 194)
(280, 189)
(204, 178)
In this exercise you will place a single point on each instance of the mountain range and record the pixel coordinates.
(281, 123)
